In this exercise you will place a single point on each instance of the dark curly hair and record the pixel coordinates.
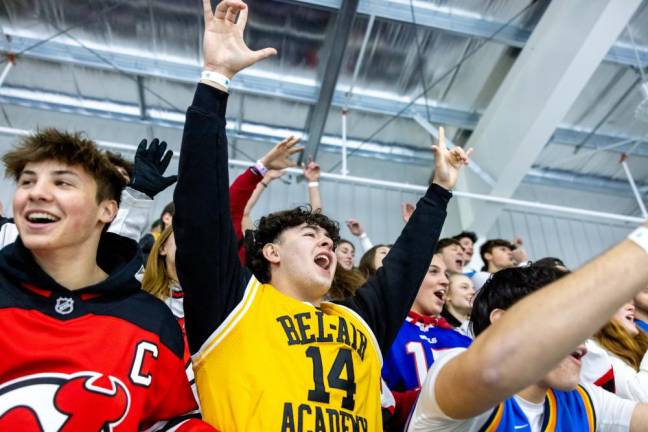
(270, 227)
(507, 287)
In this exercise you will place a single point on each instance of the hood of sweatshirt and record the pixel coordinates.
(117, 256)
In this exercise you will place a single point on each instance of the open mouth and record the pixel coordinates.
(459, 263)
(323, 261)
(630, 318)
(440, 294)
(39, 217)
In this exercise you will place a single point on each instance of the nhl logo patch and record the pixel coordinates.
(64, 305)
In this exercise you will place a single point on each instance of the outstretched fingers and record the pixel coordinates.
(263, 54)
(242, 18)
(207, 11)
(166, 160)
(295, 150)
(142, 146)
(288, 145)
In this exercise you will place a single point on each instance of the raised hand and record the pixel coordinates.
(224, 49)
(279, 157)
(520, 254)
(150, 164)
(311, 171)
(407, 209)
(447, 163)
(355, 227)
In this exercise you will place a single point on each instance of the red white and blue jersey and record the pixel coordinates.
(412, 353)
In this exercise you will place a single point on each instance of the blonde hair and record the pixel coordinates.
(156, 279)
(614, 338)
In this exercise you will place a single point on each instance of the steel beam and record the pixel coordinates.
(465, 23)
(565, 50)
(337, 43)
(255, 83)
(114, 111)
(404, 187)
(141, 97)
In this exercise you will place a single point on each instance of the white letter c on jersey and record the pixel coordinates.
(136, 371)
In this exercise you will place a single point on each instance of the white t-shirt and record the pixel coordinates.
(612, 413)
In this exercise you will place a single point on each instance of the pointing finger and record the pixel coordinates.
(442, 143)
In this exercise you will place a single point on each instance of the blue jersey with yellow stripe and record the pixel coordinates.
(563, 412)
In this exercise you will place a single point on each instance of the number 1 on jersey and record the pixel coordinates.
(420, 360)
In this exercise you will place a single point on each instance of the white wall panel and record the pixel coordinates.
(572, 240)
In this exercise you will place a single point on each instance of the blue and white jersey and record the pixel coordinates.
(412, 353)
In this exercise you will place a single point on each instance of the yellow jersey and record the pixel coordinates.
(279, 364)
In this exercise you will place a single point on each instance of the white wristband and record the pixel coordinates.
(260, 168)
(215, 77)
(313, 184)
(640, 237)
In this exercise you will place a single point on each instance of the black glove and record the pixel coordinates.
(150, 164)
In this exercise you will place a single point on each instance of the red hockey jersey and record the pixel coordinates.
(108, 357)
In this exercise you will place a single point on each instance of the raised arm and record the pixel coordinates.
(358, 231)
(523, 345)
(246, 220)
(148, 180)
(247, 188)
(387, 297)
(208, 266)
(240, 192)
(312, 175)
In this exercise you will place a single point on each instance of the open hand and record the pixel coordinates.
(150, 164)
(279, 157)
(224, 49)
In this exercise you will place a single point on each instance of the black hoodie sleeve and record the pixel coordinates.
(208, 266)
(386, 298)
